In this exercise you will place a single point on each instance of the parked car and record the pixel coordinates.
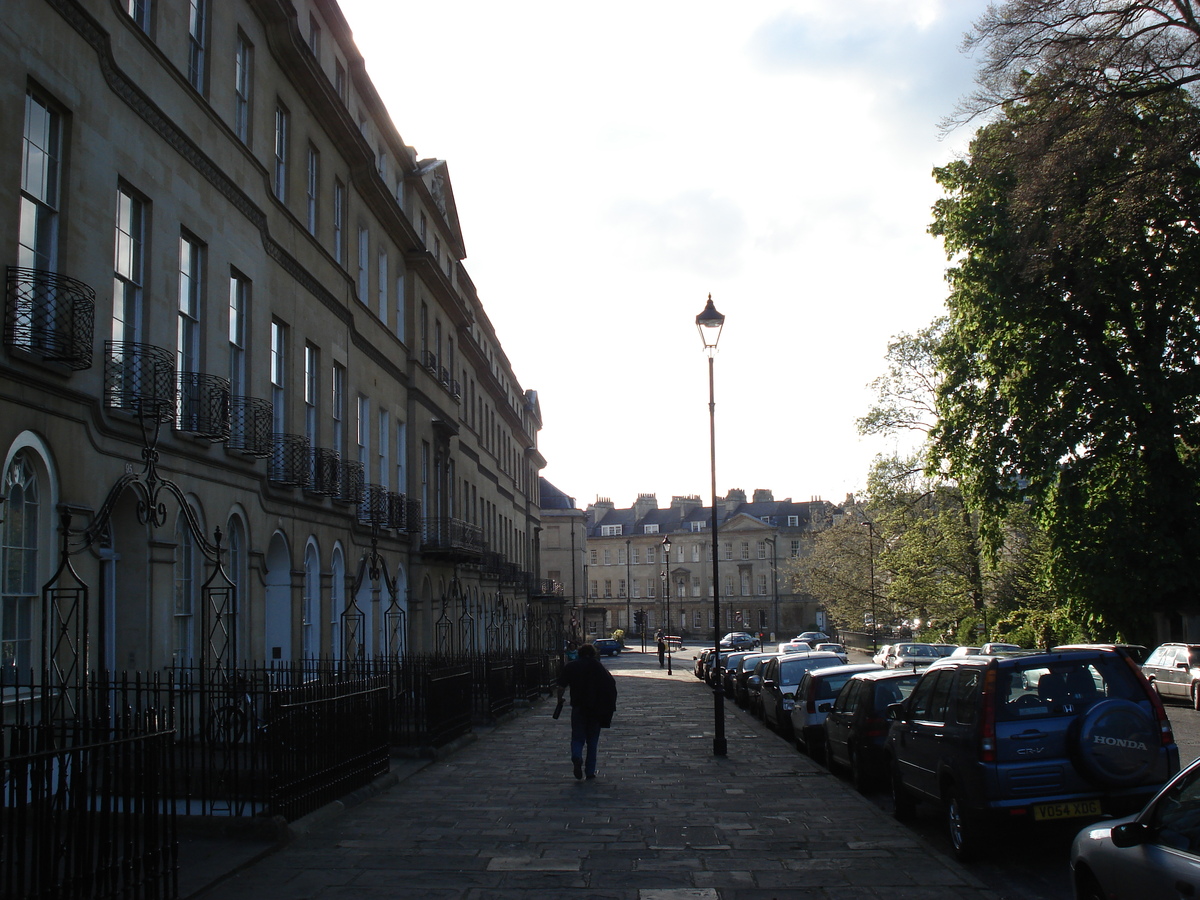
(700, 660)
(857, 726)
(911, 656)
(741, 690)
(881, 655)
(997, 647)
(713, 664)
(780, 677)
(1155, 853)
(966, 651)
(944, 649)
(1174, 670)
(839, 649)
(754, 686)
(607, 646)
(814, 699)
(739, 640)
(1029, 738)
(733, 665)
(812, 637)
(793, 647)
(1139, 652)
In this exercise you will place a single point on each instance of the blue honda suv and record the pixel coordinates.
(1028, 738)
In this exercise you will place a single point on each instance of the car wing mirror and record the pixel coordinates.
(824, 707)
(895, 711)
(1131, 834)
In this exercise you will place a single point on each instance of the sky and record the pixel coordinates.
(614, 165)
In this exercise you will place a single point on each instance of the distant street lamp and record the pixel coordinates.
(870, 526)
(666, 545)
(709, 323)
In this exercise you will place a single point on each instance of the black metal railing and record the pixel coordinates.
(250, 426)
(203, 406)
(429, 360)
(350, 482)
(404, 514)
(51, 316)
(289, 460)
(324, 470)
(139, 379)
(373, 507)
(449, 534)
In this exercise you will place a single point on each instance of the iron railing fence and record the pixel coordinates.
(86, 810)
(50, 315)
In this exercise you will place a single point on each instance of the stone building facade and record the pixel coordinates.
(755, 537)
(235, 302)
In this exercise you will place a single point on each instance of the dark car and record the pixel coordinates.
(857, 726)
(607, 646)
(733, 665)
(700, 660)
(1174, 670)
(741, 690)
(781, 676)
(754, 686)
(1032, 738)
(739, 640)
(814, 700)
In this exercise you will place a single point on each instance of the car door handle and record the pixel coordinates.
(1027, 736)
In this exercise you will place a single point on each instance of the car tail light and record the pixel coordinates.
(811, 699)
(987, 721)
(1160, 713)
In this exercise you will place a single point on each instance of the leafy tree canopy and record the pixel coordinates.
(1071, 361)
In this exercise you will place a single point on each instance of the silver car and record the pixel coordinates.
(1152, 854)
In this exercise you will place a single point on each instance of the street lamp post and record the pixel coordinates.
(774, 586)
(709, 323)
(870, 526)
(666, 545)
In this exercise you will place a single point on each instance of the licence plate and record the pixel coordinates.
(1072, 809)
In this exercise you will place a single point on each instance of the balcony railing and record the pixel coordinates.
(451, 535)
(51, 316)
(429, 360)
(203, 406)
(350, 482)
(405, 514)
(250, 426)
(289, 460)
(139, 379)
(373, 506)
(324, 471)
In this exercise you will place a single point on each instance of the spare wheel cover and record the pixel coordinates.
(1117, 743)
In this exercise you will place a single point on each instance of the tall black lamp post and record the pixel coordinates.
(666, 545)
(628, 590)
(709, 323)
(870, 526)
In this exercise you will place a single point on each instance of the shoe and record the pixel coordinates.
(592, 777)
(578, 764)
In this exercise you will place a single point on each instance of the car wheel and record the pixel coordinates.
(904, 805)
(1087, 887)
(965, 828)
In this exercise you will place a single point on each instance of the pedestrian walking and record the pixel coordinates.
(593, 702)
(662, 652)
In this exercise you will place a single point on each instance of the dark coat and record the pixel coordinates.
(593, 689)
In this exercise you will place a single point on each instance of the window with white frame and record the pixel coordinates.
(593, 555)
(401, 454)
(695, 585)
(314, 36)
(745, 549)
(363, 432)
(793, 521)
(280, 158)
(21, 546)
(278, 376)
(339, 222)
(312, 190)
(762, 549)
(621, 588)
(762, 585)
(607, 557)
(364, 263)
(40, 167)
(385, 462)
(795, 548)
(139, 11)
(608, 589)
(651, 555)
(129, 275)
(695, 553)
(187, 333)
(745, 579)
(197, 43)
(312, 368)
(338, 409)
(634, 555)
(728, 550)
(649, 529)
(696, 526)
(400, 312)
(382, 286)
(620, 556)
(239, 300)
(243, 59)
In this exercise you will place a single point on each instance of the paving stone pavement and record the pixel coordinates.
(504, 819)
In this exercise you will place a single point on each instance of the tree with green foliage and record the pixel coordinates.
(1071, 361)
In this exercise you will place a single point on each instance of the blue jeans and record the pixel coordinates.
(584, 730)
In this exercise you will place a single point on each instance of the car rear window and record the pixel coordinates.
(1062, 688)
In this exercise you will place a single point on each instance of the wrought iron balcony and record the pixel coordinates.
(452, 536)
(250, 426)
(456, 390)
(51, 316)
(139, 379)
(350, 482)
(289, 460)
(324, 471)
(443, 375)
(373, 507)
(203, 406)
(405, 514)
(429, 360)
